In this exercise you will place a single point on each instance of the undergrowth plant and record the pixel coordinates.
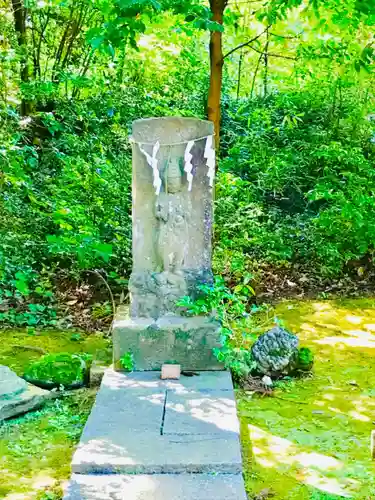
(297, 183)
(127, 362)
(239, 319)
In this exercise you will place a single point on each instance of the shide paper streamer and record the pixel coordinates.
(209, 155)
(188, 165)
(153, 162)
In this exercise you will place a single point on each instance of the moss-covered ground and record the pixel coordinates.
(312, 439)
(36, 449)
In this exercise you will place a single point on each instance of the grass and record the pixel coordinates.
(312, 440)
(36, 449)
(18, 347)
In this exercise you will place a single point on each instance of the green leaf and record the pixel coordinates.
(22, 287)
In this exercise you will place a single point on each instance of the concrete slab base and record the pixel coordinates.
(160, 434)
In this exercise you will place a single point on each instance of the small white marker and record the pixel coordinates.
(169, 371)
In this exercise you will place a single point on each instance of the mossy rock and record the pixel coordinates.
(63, 369)
(276, 352)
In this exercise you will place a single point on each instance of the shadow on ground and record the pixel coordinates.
(312, 440)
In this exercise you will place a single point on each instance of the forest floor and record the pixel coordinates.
(36, 449)
(309, 441)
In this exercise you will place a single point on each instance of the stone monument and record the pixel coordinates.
(173, 174)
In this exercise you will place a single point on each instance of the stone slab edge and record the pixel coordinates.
(156, 487)
(31, 399)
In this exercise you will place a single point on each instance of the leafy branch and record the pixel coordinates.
(245, 44)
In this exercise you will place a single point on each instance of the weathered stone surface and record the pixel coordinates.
(156, 293)
(199, 413)
(172, 230)
(136, 381)
(124, 431)
(96, 375)
(17, 396)
(10, 383)
(187, 341)
(276, 352)
(156, 487)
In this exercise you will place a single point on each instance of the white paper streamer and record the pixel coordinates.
(153, 162)
(188, 165)
(209, 154)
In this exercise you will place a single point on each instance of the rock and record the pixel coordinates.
(62, 369)
(96, 375)
(276, 352)
(267, 381)
(17, 396)
(10, 383)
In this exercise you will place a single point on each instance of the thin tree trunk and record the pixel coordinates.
(76, 28)
(60, 49)
(239, 75)
(255, 76)
(265, 79)
(19, 14)
(121, 65)
(216, 68)
(39, 48)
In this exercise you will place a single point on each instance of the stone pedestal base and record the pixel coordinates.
(186, 341)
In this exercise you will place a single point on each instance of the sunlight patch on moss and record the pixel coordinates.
(18, 348)
(36, 449)
(328, 415)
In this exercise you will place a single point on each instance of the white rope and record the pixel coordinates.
(209, 154)
(132, 140)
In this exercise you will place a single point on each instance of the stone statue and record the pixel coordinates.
(172, 217)
(171, 213)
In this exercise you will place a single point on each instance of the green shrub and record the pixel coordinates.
(54, 370)
(297, 182)
(235, 313)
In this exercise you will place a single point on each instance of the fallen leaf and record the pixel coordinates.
(72, 302)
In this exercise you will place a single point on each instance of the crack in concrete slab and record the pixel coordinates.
(163, 414)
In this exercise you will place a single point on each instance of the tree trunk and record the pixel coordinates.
(216, 68)
(19, 14)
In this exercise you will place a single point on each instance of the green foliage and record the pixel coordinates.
(298, 182)
(226, 304)
(234, 312)
(42, 441)
(238, 360)
(62, 369)
(127, 362)
(295, 181)
(305, 358)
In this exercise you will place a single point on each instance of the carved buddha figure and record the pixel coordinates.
(171, 214)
